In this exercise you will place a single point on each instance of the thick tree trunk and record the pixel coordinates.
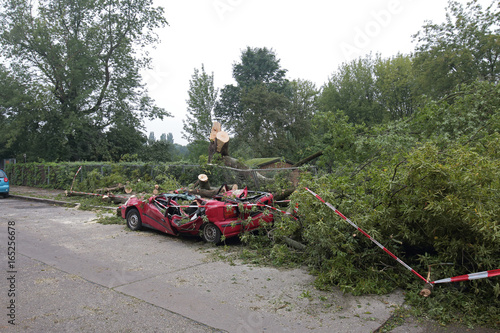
(308, 159)
(108, 197)
(283, 194)
(114, 199)
(246, 172)
(203, 182)
(222, 141)
(234, 163)
(293, 243)
(212, 148)
(118, 187)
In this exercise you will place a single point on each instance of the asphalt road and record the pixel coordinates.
(63, 272)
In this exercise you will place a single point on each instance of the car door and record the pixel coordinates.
(154, 215)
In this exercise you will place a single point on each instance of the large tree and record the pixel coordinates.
(396, 85)
(298, 118)
(15, 99)
(259, 66)
(352, 90)
(86, 56)
(201, 103)
(255, 110)
(263, 123)
(464, 48)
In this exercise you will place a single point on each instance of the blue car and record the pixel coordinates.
(4, 184)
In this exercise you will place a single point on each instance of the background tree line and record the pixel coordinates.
(270, 115)
(72, 89)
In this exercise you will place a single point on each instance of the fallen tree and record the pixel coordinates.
(117, 199)
(118, 187)
(308, 159)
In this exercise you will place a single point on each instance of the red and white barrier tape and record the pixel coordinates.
(74, 178)
(466, 277)
(279, 210)
(369, 237)
(472, 276)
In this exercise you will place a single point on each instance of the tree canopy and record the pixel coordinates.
(83, 58)
(460, 50)
(352, 90)
(201, 104)
(266, 112)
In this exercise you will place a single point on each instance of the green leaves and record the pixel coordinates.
(426, 187)
(269, 115)
(83, 63)
(352, 90)
(459, 50)
(201, 104)
(259, 66)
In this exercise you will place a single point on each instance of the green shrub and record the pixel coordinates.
(433, 207)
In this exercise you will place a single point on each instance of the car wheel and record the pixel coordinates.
(134, 219)
(211, 234)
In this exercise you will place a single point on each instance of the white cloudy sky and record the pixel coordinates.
(311, 38)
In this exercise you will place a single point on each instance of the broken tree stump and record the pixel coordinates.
(212, 147)
(203, 182)
(222, 142)
(216, 128)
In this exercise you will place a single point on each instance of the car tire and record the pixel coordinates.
(134, 220)
(211, 234)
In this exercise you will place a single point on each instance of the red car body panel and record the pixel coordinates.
(232, 213)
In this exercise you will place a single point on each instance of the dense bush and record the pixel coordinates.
(430, 196)
(93, 175)
(142, 176)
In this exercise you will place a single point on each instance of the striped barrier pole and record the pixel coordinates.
(369, 237)
(74, 178)
(472, 276)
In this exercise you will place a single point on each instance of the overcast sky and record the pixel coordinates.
(311, 38)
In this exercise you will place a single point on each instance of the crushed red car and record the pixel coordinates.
(226, 214)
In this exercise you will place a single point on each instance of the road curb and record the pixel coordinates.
(55, 202)
(48, 201)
